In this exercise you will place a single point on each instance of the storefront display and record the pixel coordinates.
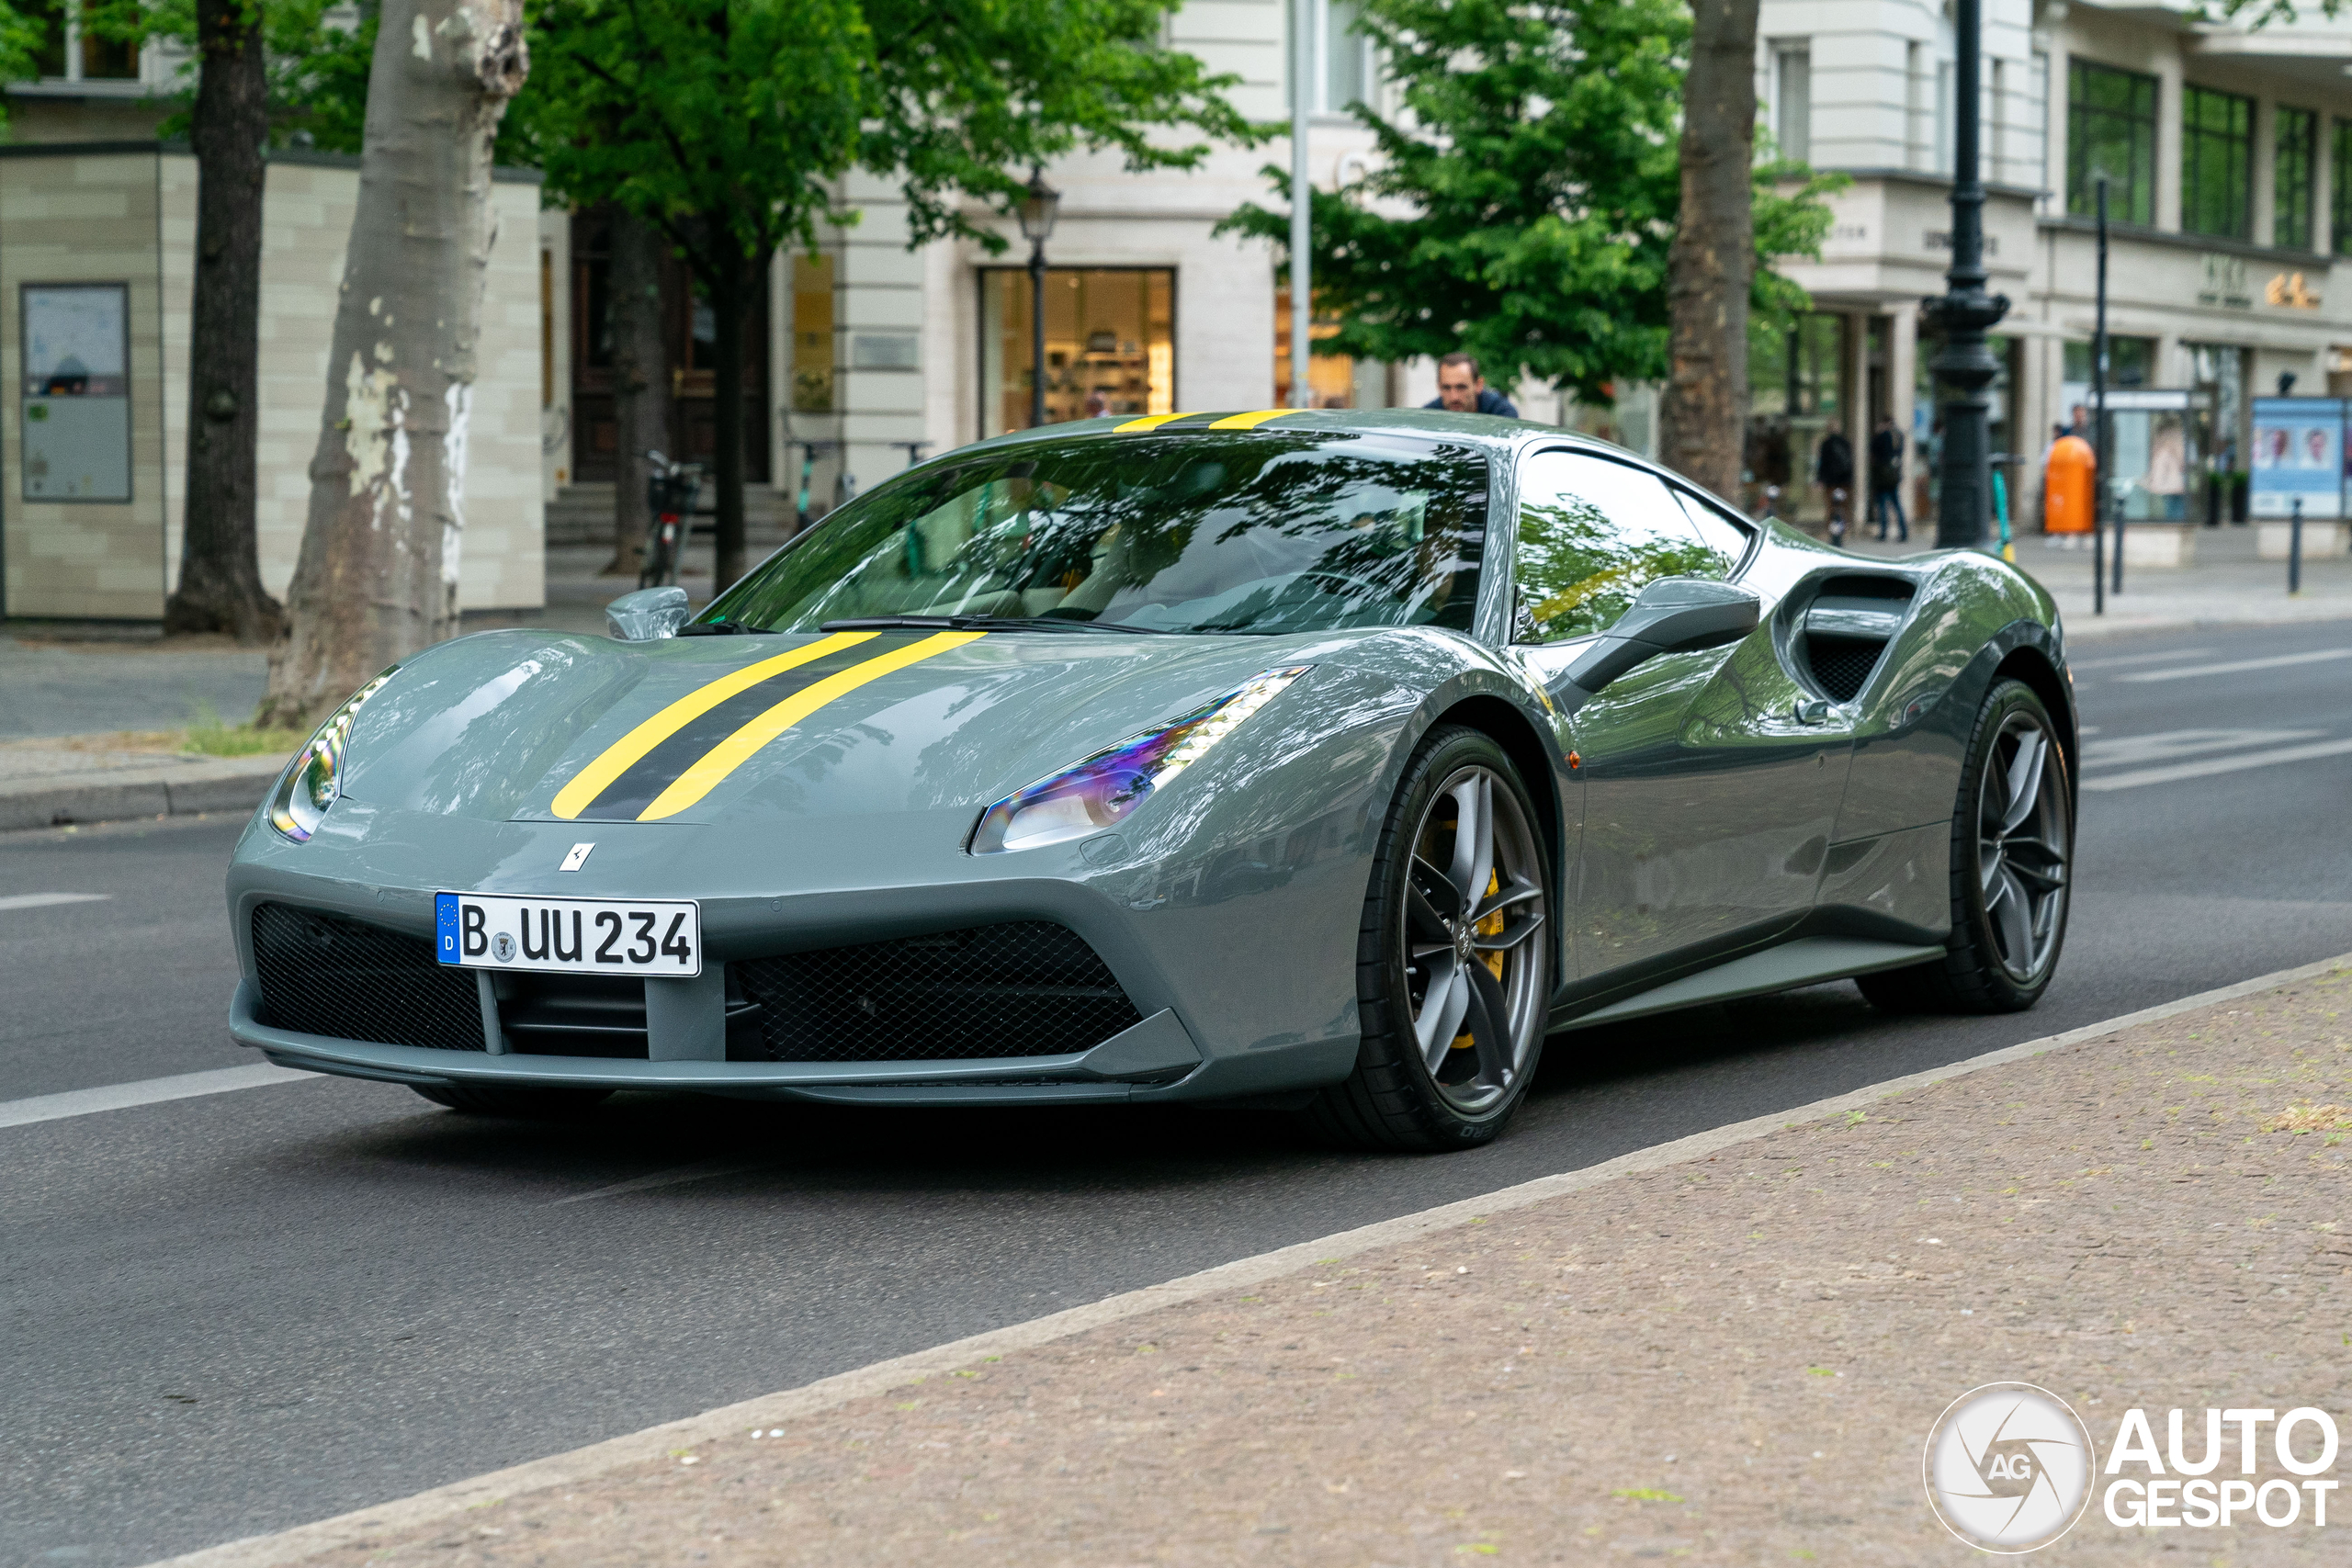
(1110, 344)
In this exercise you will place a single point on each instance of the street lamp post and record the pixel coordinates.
(1965, 363)
(1038, 210)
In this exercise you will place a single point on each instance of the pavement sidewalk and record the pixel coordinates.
(1732, 1360)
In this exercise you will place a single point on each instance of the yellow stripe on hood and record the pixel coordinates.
(731, 753)
(625, 754)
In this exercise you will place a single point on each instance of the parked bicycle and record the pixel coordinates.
(671, 491)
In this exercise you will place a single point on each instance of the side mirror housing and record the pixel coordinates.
(1674, 615)
(647, 616)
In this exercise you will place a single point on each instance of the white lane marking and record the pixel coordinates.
(42, 900)
(2140, 658)
(826, 1393)
(146, 1091)
(670, 1178)
(2237, 666)
(2211, 765)
(2171, 745)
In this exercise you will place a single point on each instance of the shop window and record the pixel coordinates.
(812, 334)
(2111, 131)
(2297, 134)
(1110, 344)
(1797, 384)
(1330, 377)
(1793, 100)
(2216, 163)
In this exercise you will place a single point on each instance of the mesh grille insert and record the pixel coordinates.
(1840, 664)
(322, 974)
(1024, 988)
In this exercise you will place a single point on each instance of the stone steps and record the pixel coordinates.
(582, 513)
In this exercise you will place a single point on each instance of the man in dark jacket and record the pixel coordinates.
(1833, 468)
(1886, 477)
(1461, 389)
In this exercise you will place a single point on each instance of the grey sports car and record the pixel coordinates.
(1317, 760)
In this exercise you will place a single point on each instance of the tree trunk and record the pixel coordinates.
(378, 577)
(640, 384)
(219, 588)
(731, 280)
(1703, 417)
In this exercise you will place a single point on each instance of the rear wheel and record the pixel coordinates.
(527, 1101)
(1453, 984)
(2012, 855)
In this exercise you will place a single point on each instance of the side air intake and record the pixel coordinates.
(1846, 628)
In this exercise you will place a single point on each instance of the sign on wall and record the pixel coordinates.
(76, 391)
(2298, 454)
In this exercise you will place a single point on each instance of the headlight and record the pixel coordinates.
(314, 777)
(1105, 787)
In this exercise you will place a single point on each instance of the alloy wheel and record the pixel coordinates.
(1474, 901)
(2023, 839)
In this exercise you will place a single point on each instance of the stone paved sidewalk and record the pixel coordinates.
(1733, 1360)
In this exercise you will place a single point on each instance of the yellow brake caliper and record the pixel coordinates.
(1491, 926)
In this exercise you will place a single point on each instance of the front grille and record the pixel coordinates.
(322, 974)
(1840, 664)
(1024, 988)
(572, 1015)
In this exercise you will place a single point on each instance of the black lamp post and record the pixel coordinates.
(1965, 363)
(1038, 210)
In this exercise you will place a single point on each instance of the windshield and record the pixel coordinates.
(1195, 532)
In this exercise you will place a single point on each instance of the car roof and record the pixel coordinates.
(1484, 430)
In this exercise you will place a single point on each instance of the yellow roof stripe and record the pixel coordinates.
(1249, 421)
(723, 759)
(1150, 422)
(623, 754)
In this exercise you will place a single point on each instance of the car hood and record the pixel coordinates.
(523, 725)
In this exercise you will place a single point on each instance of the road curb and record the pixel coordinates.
(173, 788)
(362, 1527)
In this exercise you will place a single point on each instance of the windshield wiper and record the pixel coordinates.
(723, 628)
(983, 622)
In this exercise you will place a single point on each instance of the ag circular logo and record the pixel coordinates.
(2009, 1467)
(502, 947)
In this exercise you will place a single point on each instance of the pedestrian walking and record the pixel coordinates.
(1461, 389)
(1886, 478)
(1833, 469)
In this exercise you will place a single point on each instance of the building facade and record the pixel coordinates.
(2227, 156)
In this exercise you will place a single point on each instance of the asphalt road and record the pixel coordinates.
(229, 1314)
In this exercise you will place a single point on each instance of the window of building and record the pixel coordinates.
(2297, 134)
(2110, 134)
(2216, 163)
(1946, 72)
(1110, 344)
(70, 49)
(2340, 199)
(812, 334)
(1914, 89)
(1793, 100)
(1339, 61)
(1330, 377)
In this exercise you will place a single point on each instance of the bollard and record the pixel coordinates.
(2295, 551)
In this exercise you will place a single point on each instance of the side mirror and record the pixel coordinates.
(647, 616)
(1674, 615)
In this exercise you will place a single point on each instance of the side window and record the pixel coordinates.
(1723, 534)
(1592, 533)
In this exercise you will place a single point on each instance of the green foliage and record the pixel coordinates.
(316, 57)
(21, 28)
(1524, 194)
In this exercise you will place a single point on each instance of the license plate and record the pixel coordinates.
(569, 936)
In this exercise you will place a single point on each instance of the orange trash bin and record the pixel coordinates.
(2068, 482)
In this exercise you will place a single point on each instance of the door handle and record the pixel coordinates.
(1812, 710)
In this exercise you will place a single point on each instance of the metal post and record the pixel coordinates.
(2295, 551)
(2098, 421)
(1302, 264)
(1036, 334)
(1965, 363)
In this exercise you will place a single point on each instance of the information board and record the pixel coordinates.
(2298, 454)
(76, 391)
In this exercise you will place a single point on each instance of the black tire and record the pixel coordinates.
(1995, 960)
(1395, 1100)
(523, 1101)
